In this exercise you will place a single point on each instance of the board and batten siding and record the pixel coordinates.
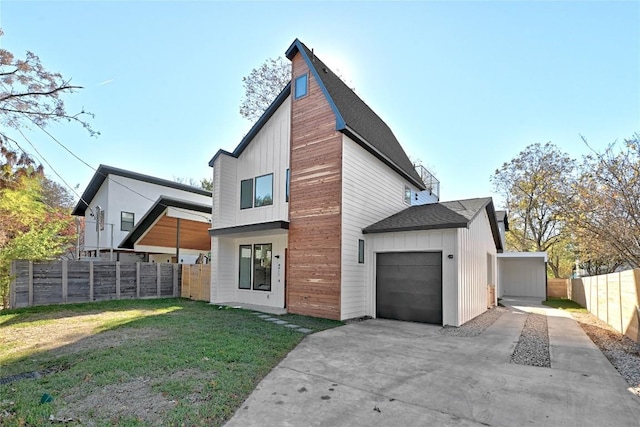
(268, 153)
(444, 241)
(371, 191)
(223, 275)
(313, 286)
(475, 248)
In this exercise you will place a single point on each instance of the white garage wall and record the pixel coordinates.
(416, 241)
(522, 277)
(362, 172)
(475, 244)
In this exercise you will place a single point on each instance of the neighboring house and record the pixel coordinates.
(301, 205)
(134, 217)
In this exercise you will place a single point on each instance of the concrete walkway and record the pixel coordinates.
(383, 372)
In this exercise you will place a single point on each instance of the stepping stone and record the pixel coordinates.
(264, 316)
(257, 313)
(270, 319)
(281, 322)
(304, 330)
(291, 325)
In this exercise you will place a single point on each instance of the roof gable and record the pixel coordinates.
(443, 215)
(158, 208)
(356, 119)
(104, 171)
(282, 96)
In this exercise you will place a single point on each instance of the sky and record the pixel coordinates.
(465, 86)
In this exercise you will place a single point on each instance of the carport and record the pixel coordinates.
(522, 274)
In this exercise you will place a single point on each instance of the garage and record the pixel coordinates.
(522, 274)
(409, 286)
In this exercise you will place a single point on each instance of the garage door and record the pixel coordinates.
(523, 277)
(409, 286)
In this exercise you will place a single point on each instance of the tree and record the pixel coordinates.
(262, 86)
(30, 228)
(605, 208)
(534, 185)
(32, 95)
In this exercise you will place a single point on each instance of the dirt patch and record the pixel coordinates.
(134, 399)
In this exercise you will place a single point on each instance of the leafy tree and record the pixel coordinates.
(534, 186)
(262, 86)
(32, 95)
(206, 184)
(604, 208)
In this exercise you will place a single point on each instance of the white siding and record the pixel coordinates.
(475, 245)
(522, 277)
(225, 271)
(371, 191)
(415, 241)
(222, 271)
(267, 153)
(120, 194)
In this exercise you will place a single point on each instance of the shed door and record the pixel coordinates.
(409, 286)
(523, 277)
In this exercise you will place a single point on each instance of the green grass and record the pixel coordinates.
(200, 360)
(565, 304)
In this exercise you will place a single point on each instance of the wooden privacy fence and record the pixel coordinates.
(557, 288)
(614, 298)
(56, 282)
(196, 281)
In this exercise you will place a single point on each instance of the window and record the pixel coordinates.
(244, 281)
(286, 191)
(407, 194)
(246, 193)
(126, 221)
(262, 267)
(360, 251)
(264, 190)
(301, 86)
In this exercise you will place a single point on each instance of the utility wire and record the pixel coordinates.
(105, 176)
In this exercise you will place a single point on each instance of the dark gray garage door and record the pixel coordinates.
(409, 286)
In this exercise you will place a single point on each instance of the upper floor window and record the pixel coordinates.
(246, 193)
(301, 86)
(126, 221)
(288, 178)
(264, 190)
(407, 194)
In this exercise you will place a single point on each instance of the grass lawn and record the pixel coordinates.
(137, 362)
(565, 304)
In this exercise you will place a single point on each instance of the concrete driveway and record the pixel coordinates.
(383, 372)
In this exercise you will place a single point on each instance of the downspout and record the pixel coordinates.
(177, 240)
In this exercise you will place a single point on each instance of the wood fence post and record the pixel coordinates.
(65, 281)
(175, 280)
(117, 279)
(30, 283)
(12, 285)
(158, 277)
(137, 280)
(90, 280)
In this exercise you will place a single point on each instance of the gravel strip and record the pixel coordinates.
(475, 326)
(621, 351)
(533, 346)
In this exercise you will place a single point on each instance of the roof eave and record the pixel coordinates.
(416, 228)
(351, 133)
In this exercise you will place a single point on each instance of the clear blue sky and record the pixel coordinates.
(465, 86)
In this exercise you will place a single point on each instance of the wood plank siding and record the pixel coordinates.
(313, 286)
(193, 234)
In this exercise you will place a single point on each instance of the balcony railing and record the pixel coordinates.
(430, 181)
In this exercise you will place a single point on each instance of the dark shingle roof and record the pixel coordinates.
(443, 215)
(357, 120)
(103, 171)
